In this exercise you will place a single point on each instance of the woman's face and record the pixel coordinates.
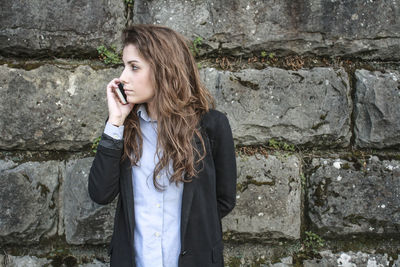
(136, 77)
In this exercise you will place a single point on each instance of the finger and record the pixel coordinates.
(114, 83)
(116, 97)
(112, 95)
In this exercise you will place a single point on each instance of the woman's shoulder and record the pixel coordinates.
(214, 121)
(213, 116)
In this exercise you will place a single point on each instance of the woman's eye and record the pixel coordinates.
(134, 67)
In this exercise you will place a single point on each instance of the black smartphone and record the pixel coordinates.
(121, 94)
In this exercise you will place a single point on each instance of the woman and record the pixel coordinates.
(167, 155)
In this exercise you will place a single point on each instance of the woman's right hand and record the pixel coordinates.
(117, 112)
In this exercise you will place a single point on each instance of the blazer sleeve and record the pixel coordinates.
(225, 165)
(103, 184)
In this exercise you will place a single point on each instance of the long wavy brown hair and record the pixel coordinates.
(181, 101)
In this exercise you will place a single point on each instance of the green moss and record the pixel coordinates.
(263, 54)
(109, 56)
(288, 147)
(129, 3)
(281, 145)
(95, 144)
(346, 166)
(303, 181)
(313, 242)
(240, 187)
(273, 143)
(194, 47)
(233, 261)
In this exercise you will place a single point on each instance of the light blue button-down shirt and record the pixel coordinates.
(157, 214)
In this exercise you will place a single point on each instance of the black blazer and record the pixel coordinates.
(209, 197)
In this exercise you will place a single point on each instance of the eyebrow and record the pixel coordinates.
(130, 61)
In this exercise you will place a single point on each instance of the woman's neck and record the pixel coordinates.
(151, 111)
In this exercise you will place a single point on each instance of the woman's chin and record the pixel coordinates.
(135, 101)
(131, 101)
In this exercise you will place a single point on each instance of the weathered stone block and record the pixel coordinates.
(350, 198)
(7, 164)
(329, 28)
(258, 254)
(305, 107)
(52, 108)
(95, 263)
(268, 204)
(28, 204)
(31, 261)
(85, 221)
(349, 259)
(57, 27)
(302, 107)
(377, 109)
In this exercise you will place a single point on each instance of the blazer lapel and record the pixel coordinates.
(126, 180)
(187, 197)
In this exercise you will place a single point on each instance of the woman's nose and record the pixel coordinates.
(122, 77)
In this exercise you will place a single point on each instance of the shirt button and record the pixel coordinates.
(115, 136)
(157, 234)
(158, 205)
(158, 176)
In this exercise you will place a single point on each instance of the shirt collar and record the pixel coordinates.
(142, 113)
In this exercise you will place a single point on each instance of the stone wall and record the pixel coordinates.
(312, 92)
